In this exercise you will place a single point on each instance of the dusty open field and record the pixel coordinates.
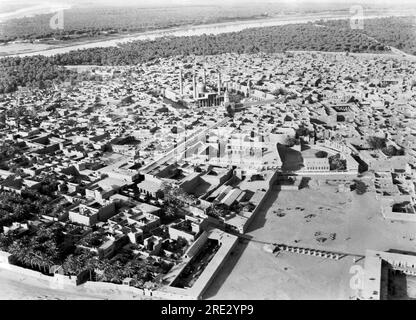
(251, 273)
(15, 286)
(18, 287)
(356, 221)
(259, 275)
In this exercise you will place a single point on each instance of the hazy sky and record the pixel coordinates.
(13, 5)
(202, 2)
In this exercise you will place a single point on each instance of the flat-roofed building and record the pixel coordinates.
(91, 213)
(150, 188)
(222, 244)
(379, 270)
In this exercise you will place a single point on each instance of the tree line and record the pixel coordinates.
(36, 71)
(39, 71)
(398, 32)
(88, 22)
(254, 40)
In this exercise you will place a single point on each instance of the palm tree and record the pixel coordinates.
(46, 262)
(36, 260)
(102, 266)
(170, 210)
(140, 268)
(128, 269)
(18, 251)
(51, 249)
(73, 265)
(217, 211)
(5, 241)
(115, 272)
(90, 263)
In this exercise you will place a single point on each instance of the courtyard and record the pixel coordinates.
(317, 217)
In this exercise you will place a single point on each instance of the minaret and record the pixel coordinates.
(226, 96)
(219, 83)
(185, 139)
(194, 85)
(218, 144)
(248, 88)
(180, 84)
(208, 146)
(175, 148)
(205, 77)
(136, 157)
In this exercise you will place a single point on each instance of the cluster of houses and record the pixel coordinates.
(112, 146)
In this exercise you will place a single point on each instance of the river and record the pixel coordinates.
(29, 49)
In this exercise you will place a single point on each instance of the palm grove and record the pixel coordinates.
(38, 71)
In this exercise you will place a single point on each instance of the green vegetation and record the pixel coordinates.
(35, 71)
(174, 199)
(376, 142)
(89, 22)
(398, 32)
(280, 92)
(18, 208)
(392, 151)
(291, 142)
(360, 187)
(142, 271)
(48, 245)
(321, 154)
(302, 131)
(39, 251)
(269, 40)
(10, 149)
(336, 163)
(236, 97)
(218, 210)
(40, 71)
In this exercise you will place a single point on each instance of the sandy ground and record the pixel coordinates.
(252, 273)
(357, 222)
(15, 286)
(25, 49)
(260, 275)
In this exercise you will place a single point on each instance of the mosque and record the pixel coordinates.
(204, 97)
(199, 93)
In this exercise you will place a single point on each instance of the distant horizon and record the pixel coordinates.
(10, 9)
(170, 3)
